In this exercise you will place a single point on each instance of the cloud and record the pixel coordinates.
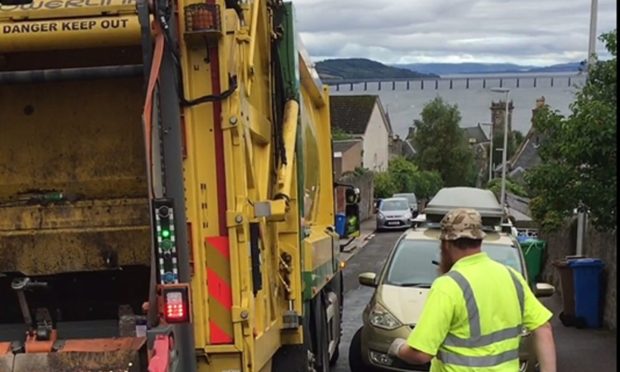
(407, 31)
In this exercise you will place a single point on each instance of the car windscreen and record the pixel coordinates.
(394, 205)
(412, 263)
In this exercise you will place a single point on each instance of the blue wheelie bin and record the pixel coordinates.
(341, 224)
(587, 276)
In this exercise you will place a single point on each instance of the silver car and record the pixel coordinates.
(413, 201)
(394, 213)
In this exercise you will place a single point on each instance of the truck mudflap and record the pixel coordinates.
(125, 354)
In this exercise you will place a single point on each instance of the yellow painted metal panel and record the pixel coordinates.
(91, 146)
(78, 33)
(51, 9)
(67, 250)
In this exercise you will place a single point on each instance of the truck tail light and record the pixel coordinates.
(176, 304)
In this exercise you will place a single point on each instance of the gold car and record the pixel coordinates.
(402, 288)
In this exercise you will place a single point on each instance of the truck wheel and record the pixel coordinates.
(322, 336)
(338, 287)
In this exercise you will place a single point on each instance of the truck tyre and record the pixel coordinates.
(338, 288)
(321, 335)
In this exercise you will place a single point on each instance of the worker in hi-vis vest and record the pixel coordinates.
(476, 311)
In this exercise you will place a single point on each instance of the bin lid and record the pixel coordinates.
(583, 262)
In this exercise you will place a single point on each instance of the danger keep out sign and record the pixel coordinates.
(65, 26)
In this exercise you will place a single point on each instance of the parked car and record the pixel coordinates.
(413, 201)
(405, 280)
(393, 213)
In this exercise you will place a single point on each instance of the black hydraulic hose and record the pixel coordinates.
(65, 74)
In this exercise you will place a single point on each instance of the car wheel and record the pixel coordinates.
(355, 353)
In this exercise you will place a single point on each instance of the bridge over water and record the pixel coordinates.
(514, 81)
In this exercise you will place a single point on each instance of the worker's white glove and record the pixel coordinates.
(395, 346)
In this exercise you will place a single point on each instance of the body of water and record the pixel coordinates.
(404, 100)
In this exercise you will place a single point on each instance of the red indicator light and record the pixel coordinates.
(176, 306)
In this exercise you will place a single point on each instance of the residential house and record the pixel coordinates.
(526, 156)
(479, 142)
(363, 117)
(347, 156)
(400, 147)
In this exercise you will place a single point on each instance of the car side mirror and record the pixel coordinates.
(544, 290)
(368, 279)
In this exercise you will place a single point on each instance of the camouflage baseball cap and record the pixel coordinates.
(461, 223)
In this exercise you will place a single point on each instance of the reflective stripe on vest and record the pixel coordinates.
(476, 339)
(477, 361)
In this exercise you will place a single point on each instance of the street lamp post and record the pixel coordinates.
(490, 152)
(592, 38)
(505, 148)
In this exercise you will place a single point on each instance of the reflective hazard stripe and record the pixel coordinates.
(477, 361)
(480, 341)
(519, 288)
(470, 302)
(476, 339)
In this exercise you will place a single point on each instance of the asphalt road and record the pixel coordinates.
(369, 258)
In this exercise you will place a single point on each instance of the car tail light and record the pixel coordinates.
(176, 304)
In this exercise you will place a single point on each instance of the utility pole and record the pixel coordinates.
(491, 150)
(592, 41)
(505, 147)
(581, 213)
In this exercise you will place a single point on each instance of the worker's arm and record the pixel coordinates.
(408, 354)
(536, 319)
(544, 346)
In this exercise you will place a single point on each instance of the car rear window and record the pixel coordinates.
(410, 197)
(393, 205)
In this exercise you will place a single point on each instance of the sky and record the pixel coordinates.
(525, 32)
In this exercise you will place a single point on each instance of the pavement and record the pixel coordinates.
(581, 349)
(351, 246)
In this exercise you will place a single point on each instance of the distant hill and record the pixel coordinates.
(360, 68)
(485, 68)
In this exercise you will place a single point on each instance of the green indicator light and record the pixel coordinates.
(165, 233)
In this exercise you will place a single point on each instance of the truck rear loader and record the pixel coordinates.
(166, 189)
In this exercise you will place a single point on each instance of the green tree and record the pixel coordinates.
(340, 134)
(518, 139)
(514, 140)
(426, 184)
(512, 187)
(578, 152)
(404, 176)
(441, 145)
(403, 173)
(385, 186)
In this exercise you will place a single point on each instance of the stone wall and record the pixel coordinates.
(366, 185)
(562, 243)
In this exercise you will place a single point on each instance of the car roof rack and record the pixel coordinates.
(448, 198)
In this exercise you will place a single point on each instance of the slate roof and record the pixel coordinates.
(477, 133)
(352, 113)
(344, 145)
(526, 155)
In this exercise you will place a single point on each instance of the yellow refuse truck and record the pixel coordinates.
(166, 189)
